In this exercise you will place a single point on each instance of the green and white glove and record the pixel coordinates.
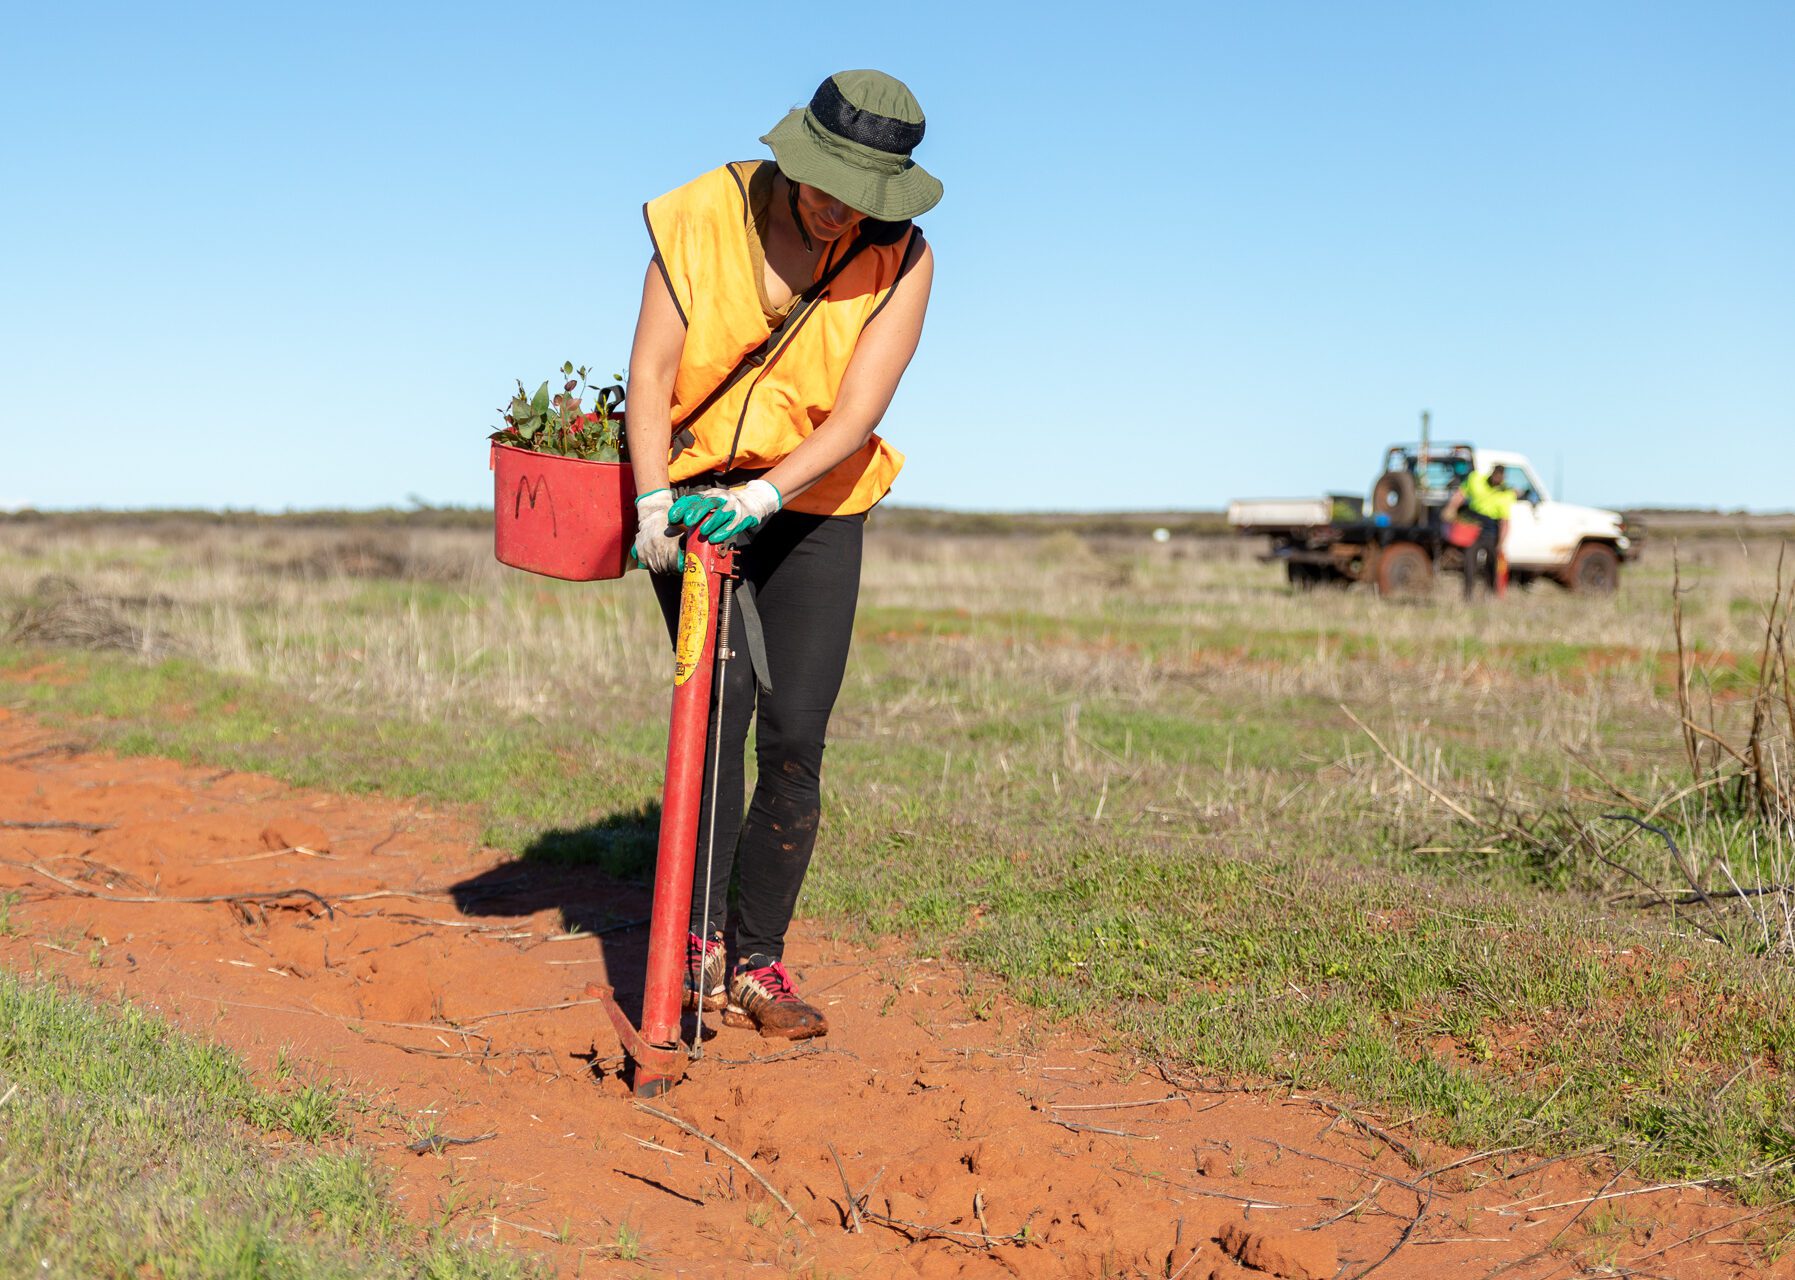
(656, 548)
(731, 515)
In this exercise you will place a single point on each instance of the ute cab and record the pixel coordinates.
(1583, 547)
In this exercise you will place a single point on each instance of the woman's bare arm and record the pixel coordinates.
(653, 364)
(880, 358)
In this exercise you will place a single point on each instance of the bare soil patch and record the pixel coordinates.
(381, 944)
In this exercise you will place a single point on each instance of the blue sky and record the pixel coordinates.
(295, 256)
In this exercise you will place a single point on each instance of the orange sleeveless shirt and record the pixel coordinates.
(701, 242)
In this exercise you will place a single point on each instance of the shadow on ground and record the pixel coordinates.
(597, 877)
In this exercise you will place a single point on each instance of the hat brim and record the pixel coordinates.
(874, 182)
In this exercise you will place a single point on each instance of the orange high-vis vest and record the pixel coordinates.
(700, 234)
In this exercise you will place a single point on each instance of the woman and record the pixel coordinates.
(782, 306)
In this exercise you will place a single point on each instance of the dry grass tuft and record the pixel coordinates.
(60, 614)
(360, 558)
(367, 558)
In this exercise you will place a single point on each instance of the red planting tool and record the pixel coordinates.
(706, 596)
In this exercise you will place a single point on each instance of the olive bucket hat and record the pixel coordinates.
(854, 142)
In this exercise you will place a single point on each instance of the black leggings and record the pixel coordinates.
(805, 572)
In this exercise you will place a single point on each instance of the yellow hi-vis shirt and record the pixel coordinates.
(701, 242)
(1486, 499)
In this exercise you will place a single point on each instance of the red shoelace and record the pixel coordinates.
(697, 948)
(776, 980)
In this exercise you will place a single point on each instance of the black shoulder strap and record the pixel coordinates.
(683, 438)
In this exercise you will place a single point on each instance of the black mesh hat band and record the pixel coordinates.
(854, 141)
(842, 118)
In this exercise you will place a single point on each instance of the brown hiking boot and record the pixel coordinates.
(705, 967)
(761, 996)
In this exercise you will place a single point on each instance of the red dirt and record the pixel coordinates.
(468, 1020)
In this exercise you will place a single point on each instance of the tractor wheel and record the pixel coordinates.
(1594, 570)
(1403, 569)
(1395, 496)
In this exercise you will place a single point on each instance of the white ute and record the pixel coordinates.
(1400, 542)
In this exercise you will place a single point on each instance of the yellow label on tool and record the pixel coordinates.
(694, 617)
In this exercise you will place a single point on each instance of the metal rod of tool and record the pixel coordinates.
(694, 658)
(726, 600)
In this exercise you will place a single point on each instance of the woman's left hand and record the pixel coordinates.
(719, 516)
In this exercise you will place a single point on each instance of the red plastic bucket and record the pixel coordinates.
(562, 517)
(1462, 533)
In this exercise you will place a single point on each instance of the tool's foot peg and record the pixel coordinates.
(658, 1067)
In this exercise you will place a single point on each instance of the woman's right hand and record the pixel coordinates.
(728, 517)
(657, 548)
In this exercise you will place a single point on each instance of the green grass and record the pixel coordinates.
(1138, 627)
(1449, 1004)
(128, 1148)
